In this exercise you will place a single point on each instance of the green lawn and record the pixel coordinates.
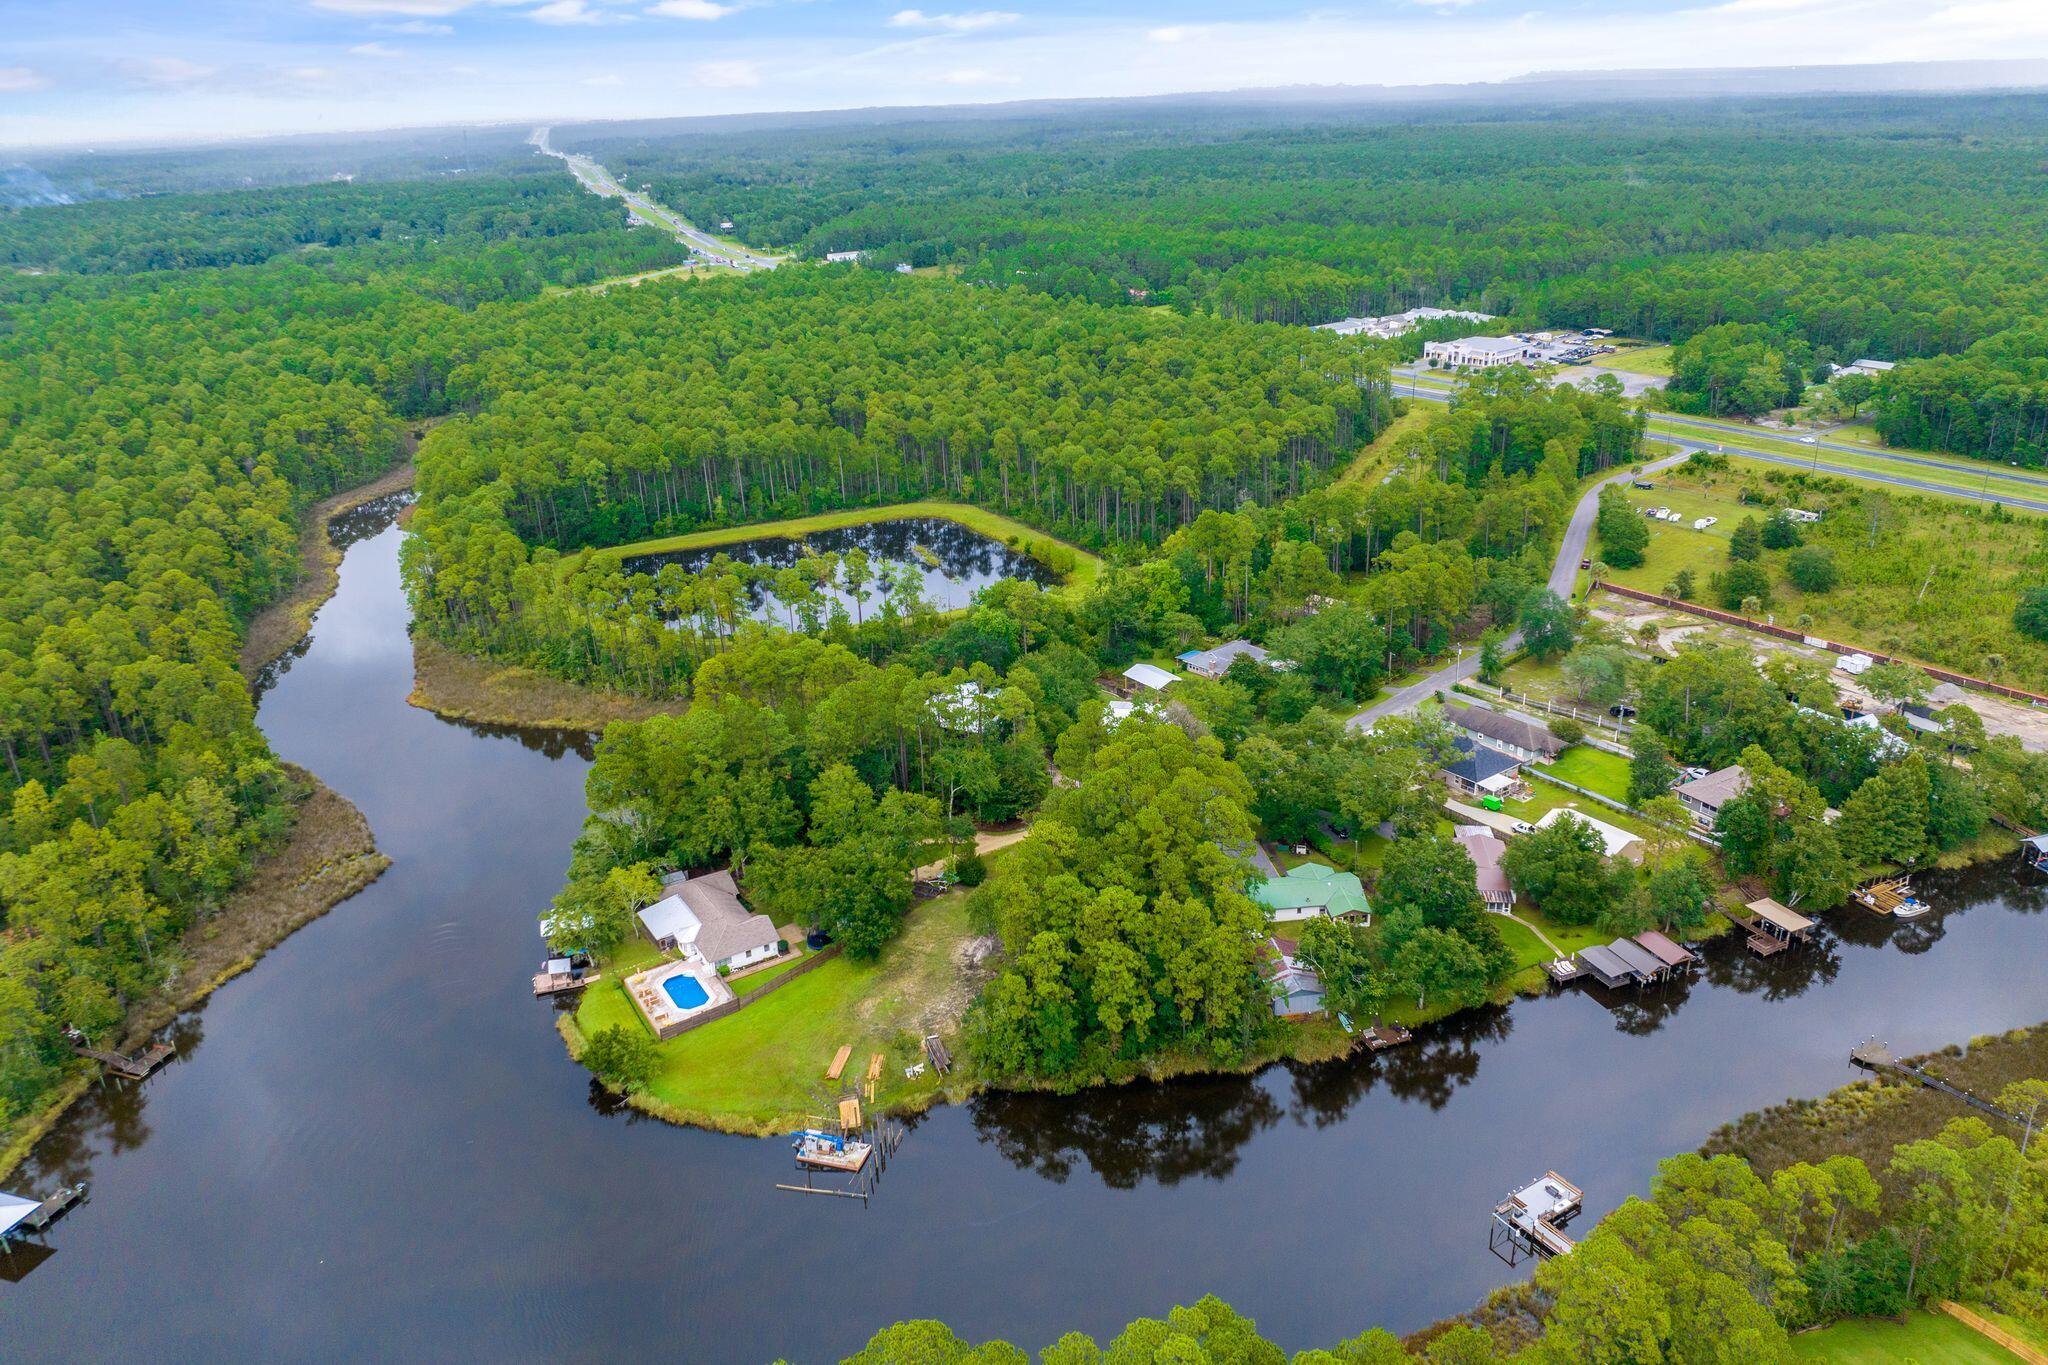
(1639, 360)
(1923, 1339)
(1594, 769)
(1529, 950)
(763, 1069)
(1081, 568)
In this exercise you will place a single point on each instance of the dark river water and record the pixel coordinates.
(963, 562)
(372, 1145)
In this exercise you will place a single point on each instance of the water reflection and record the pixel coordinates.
(962, 562)
(1164, 1132)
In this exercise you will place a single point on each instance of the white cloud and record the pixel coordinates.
(1442, 6)
(310, 75)
(166, 71)
(432, 9)
(976, 75)
(564, 12)
(374, 50)
(727, 75)
(691, 9)
(420, 28)
(605, 79)
(953, 23)
(19, 80)
(1176, 33)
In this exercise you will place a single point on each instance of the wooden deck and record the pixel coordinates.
(555, 983)
(135, 1068)
(1380, 1037)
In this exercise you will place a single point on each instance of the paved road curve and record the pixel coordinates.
(1564, 574)
(1812, 464)
(601, 181)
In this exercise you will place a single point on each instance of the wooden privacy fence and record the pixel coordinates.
(811, 963)
(1787, 633)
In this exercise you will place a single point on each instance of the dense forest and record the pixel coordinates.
(160, 435)
(1898, 229)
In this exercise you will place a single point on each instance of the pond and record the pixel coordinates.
(936, 560)
(373, 1144)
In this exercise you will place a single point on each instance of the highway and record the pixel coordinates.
(1813, 463)
(600, 181)
(1564, 577)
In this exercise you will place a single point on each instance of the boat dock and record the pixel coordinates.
(1876, 1057)
(1893, 897)
(136, 1068)
(1772, 928)
(1380, 1037)
(1648, 957)
(1531, 1221)
(862, 1155)
(2034, 851)
(20, 1215)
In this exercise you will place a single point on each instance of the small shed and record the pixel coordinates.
(1150, 676)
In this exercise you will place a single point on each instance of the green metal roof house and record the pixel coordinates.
(1314, 889)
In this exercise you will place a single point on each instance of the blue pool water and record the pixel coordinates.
(686, 990)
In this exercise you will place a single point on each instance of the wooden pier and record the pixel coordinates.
(1380, 1037)
(1892, 897)
(1875, 1057)
(138, 1067)
(19, 1217)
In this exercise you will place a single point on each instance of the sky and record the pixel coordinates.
(85, 71)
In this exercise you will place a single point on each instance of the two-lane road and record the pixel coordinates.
(1564, 575)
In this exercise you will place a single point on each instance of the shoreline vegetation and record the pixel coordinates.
(1079, 567)
(329, 855)
(464, 687)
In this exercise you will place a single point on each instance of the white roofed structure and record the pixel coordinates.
(1150, 675)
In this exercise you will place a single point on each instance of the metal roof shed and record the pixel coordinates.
(1641, 961)
(13, 1209)
(1603, 964)
(1150, 675)
(1669, 953)
(1779, 920)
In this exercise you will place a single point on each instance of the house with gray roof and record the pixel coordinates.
(1704, 796)
(1214, 663)
(1525, 739)
(1480, 768)
(704, 916)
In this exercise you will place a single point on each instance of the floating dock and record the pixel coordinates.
(1893, 897)
(136, 1068)
(1531, 1221)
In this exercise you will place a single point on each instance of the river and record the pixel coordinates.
(373, 1144)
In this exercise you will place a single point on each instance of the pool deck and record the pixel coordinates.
(663, 1015)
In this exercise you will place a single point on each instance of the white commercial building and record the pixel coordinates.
(1478, 353)
(1398, 324)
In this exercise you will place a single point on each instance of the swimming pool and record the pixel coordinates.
(687, 991)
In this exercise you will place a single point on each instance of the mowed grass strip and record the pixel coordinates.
(1080, 567)
(1923, 1338)
(762, 1069)
(1596, 770)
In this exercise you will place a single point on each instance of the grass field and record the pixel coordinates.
(1639, 360)
(1937, 581)
(1375, 461)
(1080, 567)
(1594, 769)
(762, 1070)
(1923, 1339)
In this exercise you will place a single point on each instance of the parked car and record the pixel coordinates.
(1704, 522)
(1690, 774)
(1523, 827)
(1644, 483)
(1621, 710)
(1809, 440)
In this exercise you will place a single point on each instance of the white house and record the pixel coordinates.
(1615, 842)
(703, 917)
(1873, 368)
(1478, 353)
(842, 258)
(968, 709)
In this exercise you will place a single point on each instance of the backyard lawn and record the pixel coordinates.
(1596, 770)
(763, 1069)
(1923, 1339)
